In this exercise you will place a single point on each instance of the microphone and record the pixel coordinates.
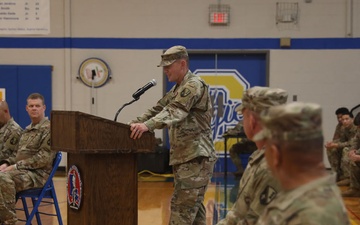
(142, 90)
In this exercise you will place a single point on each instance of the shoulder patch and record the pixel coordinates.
(267, 195)
(185, 92)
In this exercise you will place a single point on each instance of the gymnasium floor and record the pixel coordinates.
(154, 193)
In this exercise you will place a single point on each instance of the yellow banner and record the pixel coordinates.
(2, 94)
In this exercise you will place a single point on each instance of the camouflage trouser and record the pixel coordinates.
(355, 175)
(339, 161)
(10, 183)
(191, 180)
(242, 147)
(345, 163)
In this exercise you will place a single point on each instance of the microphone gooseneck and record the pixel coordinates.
(137, 95)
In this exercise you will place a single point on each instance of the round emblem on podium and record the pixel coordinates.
(74, 188)
(94, 72)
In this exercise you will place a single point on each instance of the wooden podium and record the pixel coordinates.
(105, 156)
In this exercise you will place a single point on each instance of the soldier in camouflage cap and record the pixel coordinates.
(257, 99)
(31, 166)
(294, 153)
(257, 187)
(186, 110)
(10, 132)
(172, 54)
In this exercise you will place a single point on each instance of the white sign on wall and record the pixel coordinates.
(2, 94)
(24, 17)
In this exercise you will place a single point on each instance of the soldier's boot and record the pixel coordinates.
(345, 182)
(351, 192)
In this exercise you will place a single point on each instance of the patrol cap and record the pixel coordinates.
(172, 54)
(291, 122)
(258, 98)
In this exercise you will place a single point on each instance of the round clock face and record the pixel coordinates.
(94, 72)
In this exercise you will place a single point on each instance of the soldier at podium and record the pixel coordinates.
(33, 162)
(186, 110)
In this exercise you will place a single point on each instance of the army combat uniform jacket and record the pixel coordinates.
(186, 110)
(346, 136)
(337, 132)
(34, 153)
(257, 189)
(355, 142)
(33, 161)
(354, 169)
(318, 202)
(9, 138)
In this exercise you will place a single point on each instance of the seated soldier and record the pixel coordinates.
(10, 132)
(333, 156)
(339, 112)
(257, 187)
(294, 154)
(337, 150)
(31, 166)
(354, 157)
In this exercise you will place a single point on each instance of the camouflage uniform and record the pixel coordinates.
(186, 110)
(355, 176)
(33, 160)
(9, 138)
(317, 201)
(257, 186)
(337, 157)
(355, 166)
(257, 189)
(337, 132)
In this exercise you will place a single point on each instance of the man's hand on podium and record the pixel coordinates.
(137, 129)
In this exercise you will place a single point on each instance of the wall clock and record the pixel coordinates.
(94, 72)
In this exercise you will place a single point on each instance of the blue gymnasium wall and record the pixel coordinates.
(19, 82)
(190, 43)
